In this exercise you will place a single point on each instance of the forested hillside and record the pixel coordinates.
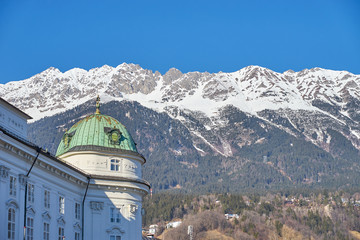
(321, 215)
(262, 155)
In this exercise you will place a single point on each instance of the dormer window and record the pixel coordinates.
(115, 165)
(67, 138)
(114, 135)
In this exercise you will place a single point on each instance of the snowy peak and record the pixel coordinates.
(312, 103)
(251, 89)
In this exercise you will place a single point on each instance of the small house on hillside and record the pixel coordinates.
(173, 224)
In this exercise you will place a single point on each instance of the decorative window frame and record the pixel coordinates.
(12, 203)
(110, 132)
(115, 230)
(30, 211)
(61, 222)
(46, 217)
(133, 208)
(4, 172)
(77, 227)
(23, 179)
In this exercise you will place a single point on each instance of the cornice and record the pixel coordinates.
(106, 150)
(7, 147)
(25, 156)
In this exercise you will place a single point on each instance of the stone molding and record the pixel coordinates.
(46, 216)
(4, 171)
(77, 226)
(115, 229)
(23, 179)
(96, 206)
(133, 208)
(61, 221)
(30, 211)
(12, 203)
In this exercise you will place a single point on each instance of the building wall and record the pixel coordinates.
(51, 177)
(12, 120)
(83, 173)
(100, 163)
(60, 179)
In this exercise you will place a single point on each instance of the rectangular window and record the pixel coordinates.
(29, 228)
(115, 215)
(115, 237)
(11, 224)
(77, 210)
(77, 236)
(115, 165)
(46, 231)
(12, 186)
(30, 193)
(47, 199)
(61, 233)
(61, 205)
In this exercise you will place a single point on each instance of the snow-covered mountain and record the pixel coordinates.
(251, 89)
(256, 127)
(300, 99)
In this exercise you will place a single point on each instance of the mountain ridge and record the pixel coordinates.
(127, 81)
(248, 118)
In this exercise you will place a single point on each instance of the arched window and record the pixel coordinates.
(11, 224)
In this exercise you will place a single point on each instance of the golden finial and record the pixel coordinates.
(97, 105)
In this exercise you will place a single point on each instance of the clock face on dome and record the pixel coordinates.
(115, 137)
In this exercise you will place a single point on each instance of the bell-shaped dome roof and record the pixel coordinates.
(97, 132)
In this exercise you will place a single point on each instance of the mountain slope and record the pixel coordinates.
(247, 153)
(253, 128)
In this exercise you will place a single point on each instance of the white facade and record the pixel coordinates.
(56, 190)
(13, 119)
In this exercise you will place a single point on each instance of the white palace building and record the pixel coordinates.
(91, 190)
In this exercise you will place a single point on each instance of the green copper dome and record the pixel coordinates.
(97, 132)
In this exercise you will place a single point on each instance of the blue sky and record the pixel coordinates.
(189, 35)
